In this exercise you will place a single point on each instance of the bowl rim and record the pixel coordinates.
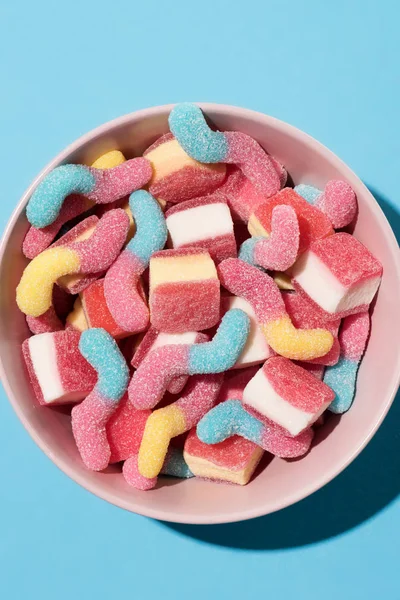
(96, 488)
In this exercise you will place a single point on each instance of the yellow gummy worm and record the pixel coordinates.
(109, 160)
(162, 425)
(297, 344)
(35, 290)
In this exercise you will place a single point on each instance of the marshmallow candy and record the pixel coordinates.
(205, 223)
(58, 372)
(339, 274)
(184, 291)
(286, 394)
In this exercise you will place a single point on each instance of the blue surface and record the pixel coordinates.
(330, 68)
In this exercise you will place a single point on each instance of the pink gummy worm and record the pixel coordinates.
(353, 336)
(37, 240)
(46, 323)
(113, 184)
(275, 441)
(150, 380)
(199, 397)
(89, 421)
(255, 163)
(132, 476)
(248, 282)
(121, 291)
(279, 251)
(99, 251)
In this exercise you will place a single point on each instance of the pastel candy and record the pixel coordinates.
(174, 465)
(178, 177)
(97, 313)
(203, 223)
(89, 418)
(58, 372)
(230, 418)
(46, 323)
(154, 339)
(184, 291)
(37, 240)
(76, 318)
(190, 128)
(124, 430)
(123, 297)
(109, 160)
(256, 349)
(260, 290)
(233, 460)
(34, 292)
(168, 422)
(313, 224)
(242, 196)
(279, 251)
(338, 201)
(338, 274)
(342, 377)
(305, 315)
(287, 394)
(99, 185)
(153, 375)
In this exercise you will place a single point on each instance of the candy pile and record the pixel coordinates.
(181, 353)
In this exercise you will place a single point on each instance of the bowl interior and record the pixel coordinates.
(281, 482)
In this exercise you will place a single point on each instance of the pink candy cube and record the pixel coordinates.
(339, 274)
(58, 372)
(286, 394)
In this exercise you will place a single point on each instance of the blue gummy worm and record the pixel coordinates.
(227, 419)
(46, 201)
(151, 229)
(342, 378)
(223, 351)
(190, 128)
(102, 352)
(175, 465)
(308, 192)
(246, 250)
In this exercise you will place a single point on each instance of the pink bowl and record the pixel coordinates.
(281, 483)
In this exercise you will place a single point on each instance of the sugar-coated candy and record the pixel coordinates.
(260, 290)
(233, 460)
(89, 418)
(58, 372)
(154, 339)
(168, 422)
(76, 318)
(121, 289)
(124, 430)
(342, 377)
(203, 223)
(37, 240)
(279, 251)
(34, 292)
(174, 466)
(230, 418)
(241, 195)
(97, 313)
(190, 128)
(46, 323)
(256, 349)
(184, 290)
(338, 201)
(150, 380)
(283, 281)
(305, 315)
(178, 177)
(313, 368)
(287, 394)
(338, 274)
(313, 224)
(100, 185)
(76, 282)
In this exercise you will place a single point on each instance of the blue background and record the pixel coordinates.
(330, 68)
